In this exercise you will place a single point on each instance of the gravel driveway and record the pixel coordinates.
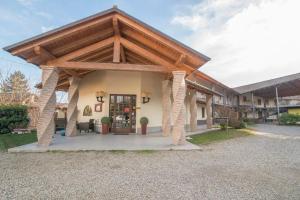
(253, 167)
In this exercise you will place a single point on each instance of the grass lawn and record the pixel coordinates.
(12, 140)
(218, 135)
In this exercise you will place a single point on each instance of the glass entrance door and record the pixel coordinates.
(122, 110)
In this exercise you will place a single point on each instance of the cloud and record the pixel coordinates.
(26, 2)
(248, 41)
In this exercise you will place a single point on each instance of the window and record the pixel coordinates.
(267, 102)
(259, 102)
(244, 98)
(203, 112)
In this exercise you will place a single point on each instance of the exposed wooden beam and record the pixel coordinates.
(143, 52)
(82, 41)
(112, 66)
(123, 55)
(71, 72)
(96, 55)
(62, 34)
(138, 57)
(180, 60)
(116, 26)
(84, 50)
(40, 53)
(117, 51)
(107, 58)
(165, 41)
(151, 43)
(38, 50)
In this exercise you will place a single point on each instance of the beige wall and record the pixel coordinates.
(271, 101)
(60, 113)
(121, 82)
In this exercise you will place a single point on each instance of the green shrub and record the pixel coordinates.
(223, 126)
(289, 119)
(105, 120)
(238, 124)
(243, 124)
(13, 116)
(144, 120)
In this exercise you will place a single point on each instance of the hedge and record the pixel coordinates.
(289, 119)
(13, 116)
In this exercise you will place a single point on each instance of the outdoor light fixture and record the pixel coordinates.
(99, 96)
(145, 97)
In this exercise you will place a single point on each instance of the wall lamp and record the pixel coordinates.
(145, 97)
(99, 96)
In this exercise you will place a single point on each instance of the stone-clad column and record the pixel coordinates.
(47, 104)
(73, 95)
(193, 110)
(209, 110)
(179, 89)
(166, 107)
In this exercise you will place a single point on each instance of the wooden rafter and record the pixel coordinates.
(40, 51)
(96, 36)
(137, 58)
(105, 58)
(180, 60)
(95, 55)
(134, 55)
(84, 50)
(143, 52)
(160, 38)
(62, 34)
(112, 66)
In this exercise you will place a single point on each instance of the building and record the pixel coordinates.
(112, 64)
(265, 100)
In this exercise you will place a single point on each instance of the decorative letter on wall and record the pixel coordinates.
(87, 111)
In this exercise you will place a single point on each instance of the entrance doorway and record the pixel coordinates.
(122, 110)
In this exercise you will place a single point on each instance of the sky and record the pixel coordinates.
(247, 40)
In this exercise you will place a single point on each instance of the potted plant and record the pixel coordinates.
(144, 121)
(105, 121)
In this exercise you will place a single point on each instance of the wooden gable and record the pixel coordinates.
(110, 40)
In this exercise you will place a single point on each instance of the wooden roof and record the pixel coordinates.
(286, 85)
(111, 40)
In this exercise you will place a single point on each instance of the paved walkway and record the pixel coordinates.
(99, 142)
(276, 131)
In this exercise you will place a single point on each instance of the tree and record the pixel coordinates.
(15, 83)
(14, 89)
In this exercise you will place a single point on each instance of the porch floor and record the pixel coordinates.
(99, 142)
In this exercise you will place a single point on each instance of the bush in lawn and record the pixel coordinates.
(289, 119)
(223, 126)
(13, 116)
(238, 124)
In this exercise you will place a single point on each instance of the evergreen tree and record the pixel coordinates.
(15, 83)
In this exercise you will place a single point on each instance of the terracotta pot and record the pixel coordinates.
(144, 129)
(105, 128)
